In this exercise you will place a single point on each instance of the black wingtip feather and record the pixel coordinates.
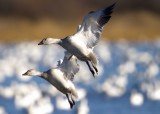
(108, 10)
(106, 15)
(104, 20)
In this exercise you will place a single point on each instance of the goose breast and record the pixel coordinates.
(57, 79)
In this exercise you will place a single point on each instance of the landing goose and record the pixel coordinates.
(81, 44)
(61, 77)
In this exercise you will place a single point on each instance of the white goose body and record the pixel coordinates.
(57, 79)
(81, 44)
(61, 77)
(77, 48)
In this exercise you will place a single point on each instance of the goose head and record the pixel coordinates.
(32, 72)
(47, 41)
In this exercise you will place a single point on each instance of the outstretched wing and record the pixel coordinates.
(92, 25)
(69, 65)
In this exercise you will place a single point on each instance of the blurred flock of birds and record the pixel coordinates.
(125, 69)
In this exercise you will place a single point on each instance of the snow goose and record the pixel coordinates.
(61, 77)
(81, 44)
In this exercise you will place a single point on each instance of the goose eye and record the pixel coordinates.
(91, 12)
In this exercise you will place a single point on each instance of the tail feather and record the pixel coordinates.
(74, 95)
(93, 58)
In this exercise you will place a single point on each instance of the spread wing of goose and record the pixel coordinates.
(69, 65)
(92, 25)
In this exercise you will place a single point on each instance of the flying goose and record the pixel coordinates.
(81, 44)
(61, 77)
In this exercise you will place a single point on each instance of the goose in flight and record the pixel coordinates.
(81, 44)
(61, 77)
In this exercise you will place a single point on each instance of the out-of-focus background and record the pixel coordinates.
(128, 52)
(22, 20)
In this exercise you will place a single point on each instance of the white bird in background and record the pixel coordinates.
(81, 44)
(61, 77)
